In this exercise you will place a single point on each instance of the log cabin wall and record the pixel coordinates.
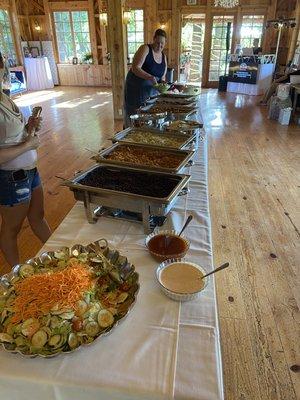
(26, 15)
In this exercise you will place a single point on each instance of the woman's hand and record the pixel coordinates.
(153, 80)
(34, 124)
(32, 142)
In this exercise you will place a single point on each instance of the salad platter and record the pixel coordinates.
(65, 299)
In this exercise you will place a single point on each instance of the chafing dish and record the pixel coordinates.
(151, 210)
(182, 114)
(184, 156)
(184, 140)
(176, 101)
(155, 120)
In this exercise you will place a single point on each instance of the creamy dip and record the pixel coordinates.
(182, 278)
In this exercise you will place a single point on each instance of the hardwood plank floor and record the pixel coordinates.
(254, 202)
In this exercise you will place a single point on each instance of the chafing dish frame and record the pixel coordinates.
(188, 138)
(171, 115)
(155, 120)
(100, 159)
(145, 205)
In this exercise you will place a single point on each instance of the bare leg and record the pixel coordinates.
(35, 215)
(12, 220)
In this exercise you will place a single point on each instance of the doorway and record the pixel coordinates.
(192, 43)
(221, 40)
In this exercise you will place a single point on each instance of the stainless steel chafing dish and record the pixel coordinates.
(155, 120)
(183, 114)
(187, 138)
(184, 102)
(150, 210)
(185, 155)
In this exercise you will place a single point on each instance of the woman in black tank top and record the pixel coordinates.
(149, 66)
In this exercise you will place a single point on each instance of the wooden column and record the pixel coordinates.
(118, 59)
(175, 38)
(93, 31)
(207, 44)
(150, 18)
(102, 30)
(271, 14)
(49, 28)
(16, 31)
(295, 33)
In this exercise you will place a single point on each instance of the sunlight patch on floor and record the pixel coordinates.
(37, 97)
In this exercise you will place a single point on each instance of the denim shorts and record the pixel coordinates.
(15, 191)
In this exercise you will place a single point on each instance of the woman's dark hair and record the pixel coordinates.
(160, 32)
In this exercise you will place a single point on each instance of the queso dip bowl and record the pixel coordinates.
(180, 279)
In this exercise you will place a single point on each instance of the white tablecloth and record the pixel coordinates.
(162, 350)
(38, 74)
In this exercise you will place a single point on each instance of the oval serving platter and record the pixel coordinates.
(112, 291)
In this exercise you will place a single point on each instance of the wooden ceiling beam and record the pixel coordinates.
(37, 5)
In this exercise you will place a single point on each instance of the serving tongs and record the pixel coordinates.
(66, 182)
(124, 268)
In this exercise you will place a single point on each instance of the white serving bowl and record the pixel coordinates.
(180, 296)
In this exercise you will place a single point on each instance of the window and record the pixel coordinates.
(252, 28)
(72, 34)
(218, 46)
(6, 40)
(135, 32)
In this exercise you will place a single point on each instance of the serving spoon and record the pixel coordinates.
(188, 220)
(223, 266)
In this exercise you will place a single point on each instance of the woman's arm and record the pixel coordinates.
(163, 79)
(9, 153)
(138, 61)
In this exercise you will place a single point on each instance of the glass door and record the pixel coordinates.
(192, 42)
(222, 28)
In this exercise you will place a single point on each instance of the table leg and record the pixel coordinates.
(295, 101)
(87, 208)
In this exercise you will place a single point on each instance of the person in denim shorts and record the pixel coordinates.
(21, 192)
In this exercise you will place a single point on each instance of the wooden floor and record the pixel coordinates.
(254, 202)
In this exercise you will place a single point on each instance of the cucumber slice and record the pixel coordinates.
(39, 339)
(26, 270)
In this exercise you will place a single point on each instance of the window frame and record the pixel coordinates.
(249, 14)
(223, 15)
(70, 11)
(135, 32)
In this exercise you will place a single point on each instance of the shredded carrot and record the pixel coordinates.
(38, 294)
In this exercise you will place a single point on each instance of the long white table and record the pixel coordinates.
(162, 350)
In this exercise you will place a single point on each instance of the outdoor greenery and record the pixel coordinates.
(135, 32)
(6, 40)
(72, 35)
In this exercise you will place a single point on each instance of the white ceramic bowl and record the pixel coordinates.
(180, 296)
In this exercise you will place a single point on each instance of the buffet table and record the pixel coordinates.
(163, 349)
(38, 73)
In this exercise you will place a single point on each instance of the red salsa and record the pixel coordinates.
(167, 245)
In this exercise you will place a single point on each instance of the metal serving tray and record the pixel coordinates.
(113, 200)
(188, 138)
(176, 115)
(188, 154)
(179, 101)
(141, 119)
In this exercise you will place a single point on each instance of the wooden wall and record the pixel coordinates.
(166, 14)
